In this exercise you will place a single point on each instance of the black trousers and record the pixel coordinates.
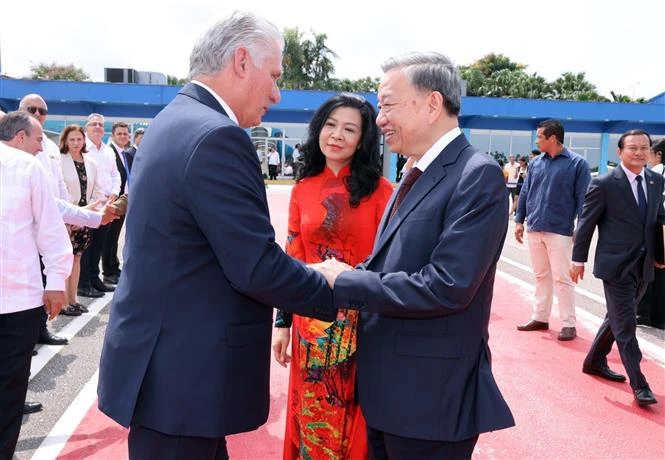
(272, 172)
(383, 446)
(147, 444)
(91, 257)
(110, 261)
(621, 296)
(18, 337)
(651, 309)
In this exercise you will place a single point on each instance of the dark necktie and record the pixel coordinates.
(408, 181)
(641, 199)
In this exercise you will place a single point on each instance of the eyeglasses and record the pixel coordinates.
(34, 110)
(96, 123)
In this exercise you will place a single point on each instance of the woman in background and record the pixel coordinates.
(335, 209)
(80, 175)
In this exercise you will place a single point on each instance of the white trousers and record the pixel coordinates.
(550, 259)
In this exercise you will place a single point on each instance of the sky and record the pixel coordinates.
(619, 44)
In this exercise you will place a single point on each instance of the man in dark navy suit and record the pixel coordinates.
(626, 205)
(424, 375)
(186, 356)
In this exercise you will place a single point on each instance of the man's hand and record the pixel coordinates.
(53, 302)
(330, 269)
(576, 272)
(109, 215)
(280, 344)
(519, 232)
(96, 205)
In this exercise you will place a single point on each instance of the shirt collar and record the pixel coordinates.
(117, 147)
(437, 148)
(630, 174)
(224, 105)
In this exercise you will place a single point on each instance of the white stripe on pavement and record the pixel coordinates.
(47, 352)
(590, 321)
(53, 444)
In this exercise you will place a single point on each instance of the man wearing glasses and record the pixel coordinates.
(49, 156)
(90, 285)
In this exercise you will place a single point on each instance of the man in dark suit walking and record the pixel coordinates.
(626, 205)
(424, 374)
(186, 356)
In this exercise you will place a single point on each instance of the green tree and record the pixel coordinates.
(575, 87)
(175, 81)
(295, 69)
(53, 71)
(491, 63)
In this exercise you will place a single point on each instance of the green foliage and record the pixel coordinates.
(495, 75)
(308, 64)
(53, 71)
(175, 81)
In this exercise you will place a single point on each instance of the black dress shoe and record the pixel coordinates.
(111, 279)
(31, 407)
(101, 287)
(80, 307)
(644, 397)
(89, 292)
(70, 310)
(534, 325)
(48, 338)
(567, 333)
(604, 372)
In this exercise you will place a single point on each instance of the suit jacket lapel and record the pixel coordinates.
(434, 173)
(626, 192)
(203, 96)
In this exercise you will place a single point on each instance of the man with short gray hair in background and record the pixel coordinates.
(90, 285)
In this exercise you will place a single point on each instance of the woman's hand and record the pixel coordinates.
(281, 340)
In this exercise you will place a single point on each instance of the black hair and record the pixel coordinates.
(552, 126)
(365, 169)
(633, 132)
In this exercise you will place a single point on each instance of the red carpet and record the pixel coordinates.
(560, 412)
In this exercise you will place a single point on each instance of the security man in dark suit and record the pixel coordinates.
(626, 205)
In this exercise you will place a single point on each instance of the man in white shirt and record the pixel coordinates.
(30, 225)
(90, 285)
(36, 106)
(273, 163)
(110, 261)
(512, 169)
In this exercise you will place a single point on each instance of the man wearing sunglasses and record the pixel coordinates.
(49, 156)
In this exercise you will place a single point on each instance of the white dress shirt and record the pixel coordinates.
(120, 151)
(71, 214)
(221, 101)
(30, 224)
(107, 169)
(437, 148)
(633, 183)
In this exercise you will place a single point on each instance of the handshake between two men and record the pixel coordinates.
(330, 269)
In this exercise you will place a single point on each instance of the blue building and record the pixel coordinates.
(492, 124)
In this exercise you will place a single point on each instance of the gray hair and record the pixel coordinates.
(216, 47)
(94, 115)
(14, 122)
(430, 72)
(28, 98)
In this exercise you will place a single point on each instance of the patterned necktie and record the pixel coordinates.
(641, 199)
(408, 181)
